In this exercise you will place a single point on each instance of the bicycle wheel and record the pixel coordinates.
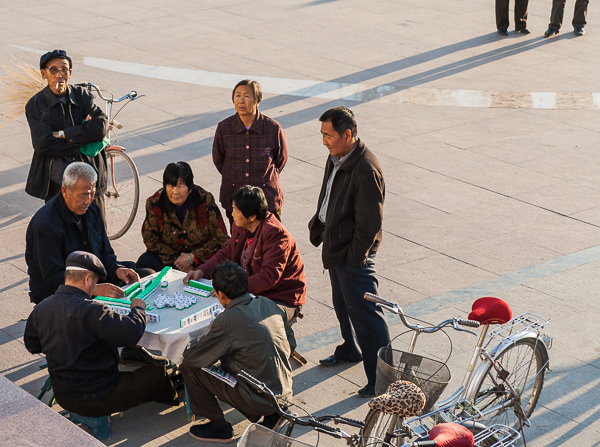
(122, 194)
(379, 430)
(525, 362)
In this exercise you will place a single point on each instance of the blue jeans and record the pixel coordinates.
(364, 328)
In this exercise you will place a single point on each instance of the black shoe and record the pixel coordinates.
(143, 356)
(579, 30)
(503, 32)
(208, 432)
(367, 391)
(550, 32)
(523, 31)
(332, 360)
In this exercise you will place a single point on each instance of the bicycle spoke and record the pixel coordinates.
(122, 195)
(523, 363)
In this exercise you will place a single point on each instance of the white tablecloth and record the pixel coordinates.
(166, 335)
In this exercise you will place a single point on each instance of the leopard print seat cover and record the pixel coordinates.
(402, 398)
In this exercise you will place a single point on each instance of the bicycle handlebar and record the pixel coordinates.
(470, 323)
(132, 95)
(394, 308)
(262, 389)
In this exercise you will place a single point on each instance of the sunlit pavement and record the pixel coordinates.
(489, 147)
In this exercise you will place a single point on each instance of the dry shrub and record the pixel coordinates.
(18, 84)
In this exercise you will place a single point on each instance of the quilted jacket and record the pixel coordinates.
(202, 232)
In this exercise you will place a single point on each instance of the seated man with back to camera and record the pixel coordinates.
(252, 335)
(183, 226)
(80, 337)
(265, 250)
(71, 221)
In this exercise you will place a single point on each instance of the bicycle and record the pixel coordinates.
(123, 188)
(506, 385)
(256, 435)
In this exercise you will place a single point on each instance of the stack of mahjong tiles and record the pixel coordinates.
(198, 288)
(139, 290)
(178, 301)
(148, 289)
(123, 306)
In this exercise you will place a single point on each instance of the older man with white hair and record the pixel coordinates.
(71, 221)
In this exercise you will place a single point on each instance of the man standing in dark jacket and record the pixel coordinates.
(70, 221)
(56, 119)
(348, 222)
(80, 338)
(251, 334)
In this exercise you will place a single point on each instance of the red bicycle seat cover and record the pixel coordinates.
(490, 310)
(451, 435)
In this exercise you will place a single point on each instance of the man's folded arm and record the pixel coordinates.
(90, 131)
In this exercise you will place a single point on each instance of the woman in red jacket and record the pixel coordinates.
(265, 249)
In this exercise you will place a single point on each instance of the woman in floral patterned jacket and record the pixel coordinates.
(183, 226)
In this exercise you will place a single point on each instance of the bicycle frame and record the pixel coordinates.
(532, 325)
(524, 327)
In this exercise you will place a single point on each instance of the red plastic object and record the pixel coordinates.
(451, 435)
(490, 310)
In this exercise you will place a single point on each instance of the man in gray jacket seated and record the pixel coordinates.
(251, 334)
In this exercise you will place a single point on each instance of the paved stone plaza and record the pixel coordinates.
(489, 145)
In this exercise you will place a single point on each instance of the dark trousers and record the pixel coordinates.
(502, 21)
(150, 261)
(291, 312)
(142, 271)
(53, 189)
(558, 11)
(149, 383)
(203, 391)
(229, 214)
(364, 328)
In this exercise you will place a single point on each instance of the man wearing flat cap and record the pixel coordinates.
(80, 337)
(62, 118)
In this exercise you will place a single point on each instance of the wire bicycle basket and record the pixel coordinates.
(432, 376)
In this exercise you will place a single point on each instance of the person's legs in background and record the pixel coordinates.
(53, 189)
(557, 14)
(142, 271)
(367, 320)
(348, 351)
(580, 16)
(101, 204)
(521, 16)
(149, 260)
(502, 22)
